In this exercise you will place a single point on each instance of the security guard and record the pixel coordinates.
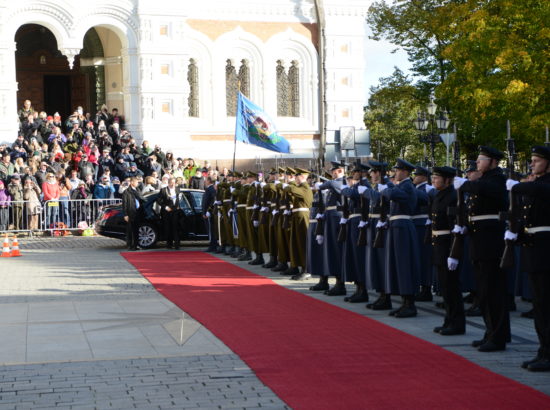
(535, 246)
(487, 190)
(441, 227)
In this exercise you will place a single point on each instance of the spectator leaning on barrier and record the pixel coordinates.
(51, 191)
(31, 195)
(16, 192)
(104, 189)
(5, 200)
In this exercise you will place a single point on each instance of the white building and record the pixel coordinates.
(171, 66)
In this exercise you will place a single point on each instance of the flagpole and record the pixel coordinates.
(236, 122)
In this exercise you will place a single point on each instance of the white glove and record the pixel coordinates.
(317, 185)
(361, 189)
(510, 183)
(319, 216)
(264, 209)
(320, 239)
(219, 214)
(232, 189)
(343, 221)
(274, 212)
(208, 214)
(287, 212)
(381, 224)
(229, 213)
(167, 208)
(284, 185)
(217, 182)
(217, 202)
(257, 183)
(428, 222)
(452, 263)
(458, 181)
(382, 187)
(256, 223)
(510, 236)
(277, 182)
(429, 188)
(262, 184)
(255, 206)
(459, 229)
(362, 224)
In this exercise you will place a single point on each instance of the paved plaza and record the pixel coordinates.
(81, 328)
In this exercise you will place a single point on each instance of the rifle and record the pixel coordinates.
(456, 158)
(257, 202)
(286, 216)
(512, 216)
(343, 232)
(320, 228)
(362, 238)
(379, 238)
(277, 199)
(265, 214)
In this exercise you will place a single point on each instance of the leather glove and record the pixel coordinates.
(343, 221)
(320, 239)
(458, 181)
(510, 236)
(361, 189)
(362, 224)
(381, 224)
(510, 183)
(452, 263)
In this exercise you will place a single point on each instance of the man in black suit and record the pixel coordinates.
(132, 206)
(208, 199)
(170, 212)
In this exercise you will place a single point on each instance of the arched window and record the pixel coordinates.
(193, 79)
(235, 82)
(288, 90)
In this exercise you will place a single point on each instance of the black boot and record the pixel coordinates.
(408, 309)
(246, 256)
(259, 260)
(301, 276)
(236, 252)
(229, 250)
(272, 262)
(281, 267)
(290, 272)
(529, 314)
(511, 303)
(321, 285)
(360, 296)
(425, 294)
(473, 311)
(382, 303)
(221, 249)
(339, 289)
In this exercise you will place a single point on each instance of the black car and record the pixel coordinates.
(110, 221)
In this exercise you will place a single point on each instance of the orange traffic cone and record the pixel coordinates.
(6, 253)
(15, 247)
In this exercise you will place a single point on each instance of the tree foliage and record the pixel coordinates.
(486, 60)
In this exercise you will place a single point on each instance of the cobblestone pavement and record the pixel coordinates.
(80, 328)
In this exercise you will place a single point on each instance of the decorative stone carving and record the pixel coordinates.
(70, 53)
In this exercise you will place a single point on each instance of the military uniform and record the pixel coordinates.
(402, 262)
(270, 193)
(487, 199)
(442, 240)
(314, 250)
(535, 246)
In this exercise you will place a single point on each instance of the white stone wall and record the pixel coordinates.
(157, 43)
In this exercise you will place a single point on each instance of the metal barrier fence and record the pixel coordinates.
(54, 215)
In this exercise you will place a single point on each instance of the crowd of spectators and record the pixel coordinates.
(84, 156)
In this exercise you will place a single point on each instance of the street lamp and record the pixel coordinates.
(429, 119)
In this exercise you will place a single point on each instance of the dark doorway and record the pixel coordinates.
(57, 94)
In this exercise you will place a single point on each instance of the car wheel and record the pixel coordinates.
(147, 236)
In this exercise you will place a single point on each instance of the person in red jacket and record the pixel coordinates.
(51, 191)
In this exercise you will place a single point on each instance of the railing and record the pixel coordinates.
(58, 216)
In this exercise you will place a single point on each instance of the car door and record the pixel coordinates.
(198, 223)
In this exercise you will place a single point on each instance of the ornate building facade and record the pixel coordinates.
(173, 68)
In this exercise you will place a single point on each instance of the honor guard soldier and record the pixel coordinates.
(302, 198)
(332, 249)
(314, 243)
(421, 222)
(242, 222)
(535, 220)
(235, 190)
(403, 267)
(256, 241)
(283, 224)
(353, 255)
(441, 227)
(487, 198)
(270, 195)
(225, 187)
(376, 257)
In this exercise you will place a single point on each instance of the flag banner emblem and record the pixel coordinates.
(255, 127)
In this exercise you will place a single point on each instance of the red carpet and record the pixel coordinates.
(317, 356)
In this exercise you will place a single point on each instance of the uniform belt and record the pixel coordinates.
(282, 207)
(300, 210)
(476, 218)
(241, 206)
(312, 221)
(419, 216)
(273, 205)
(395, 217)
(268, 202)
(353, 216)
(331, 208)
(226, 201)
(249, 207)
(536, 229)
(374, 216)
(443, 232)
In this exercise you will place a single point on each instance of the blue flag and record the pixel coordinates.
(255, 127)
